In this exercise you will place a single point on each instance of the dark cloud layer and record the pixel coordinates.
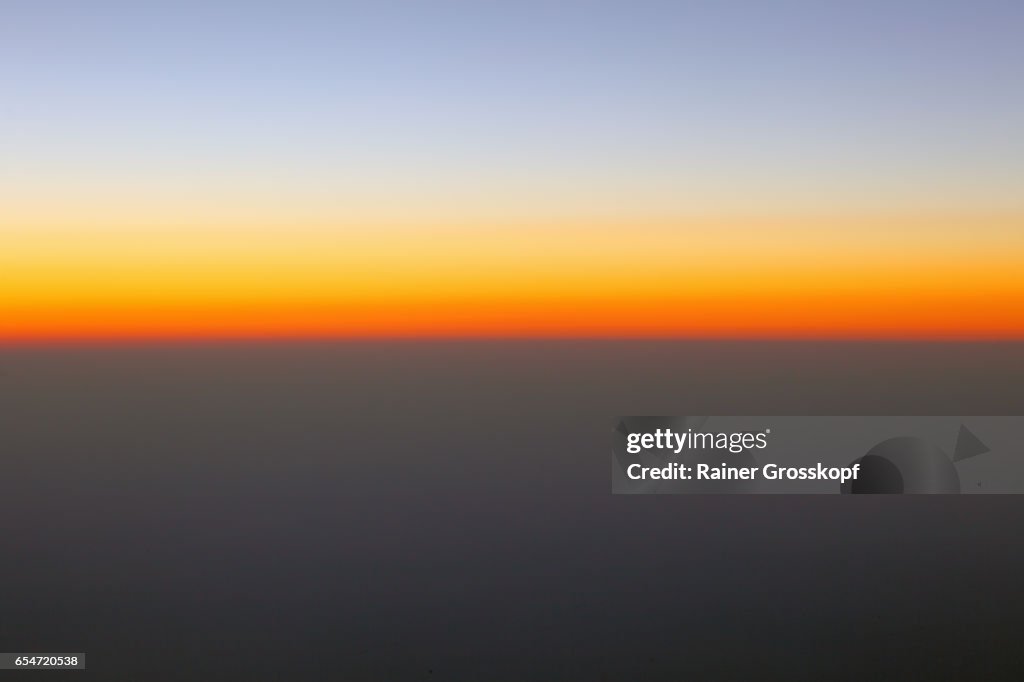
(441, 510)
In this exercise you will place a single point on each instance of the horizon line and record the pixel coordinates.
(270, 339)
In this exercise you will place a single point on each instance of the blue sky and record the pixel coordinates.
(670, 105)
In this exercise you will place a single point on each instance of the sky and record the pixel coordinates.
(769, 169)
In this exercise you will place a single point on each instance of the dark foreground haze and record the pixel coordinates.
(442, 511)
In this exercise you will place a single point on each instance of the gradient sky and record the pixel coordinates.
(514, 168)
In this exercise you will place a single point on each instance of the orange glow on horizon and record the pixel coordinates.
(871, 314)
(875, 278)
